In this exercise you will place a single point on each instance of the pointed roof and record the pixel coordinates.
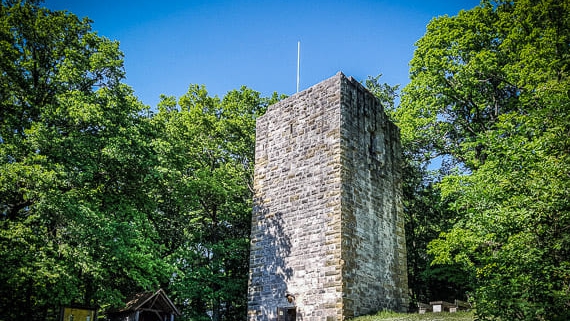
(158, 301)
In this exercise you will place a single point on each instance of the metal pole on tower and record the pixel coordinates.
(298, 62)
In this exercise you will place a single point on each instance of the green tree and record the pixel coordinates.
(74, 160)
(385, 93)
(206, 154)
(489, 97)
(458, 88)
(425, 216)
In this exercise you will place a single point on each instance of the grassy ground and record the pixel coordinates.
(443, 316)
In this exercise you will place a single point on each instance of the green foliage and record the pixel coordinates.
(489, 94)
(425, 216)
(99, 197)
(458, 87)
(514, 237)
(73, 165)
(206, 155)
(386, 93)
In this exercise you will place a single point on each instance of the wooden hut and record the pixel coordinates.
(147, 306)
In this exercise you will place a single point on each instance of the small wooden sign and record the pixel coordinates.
(71, 313)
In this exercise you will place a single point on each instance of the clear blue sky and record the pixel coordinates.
(222, 44)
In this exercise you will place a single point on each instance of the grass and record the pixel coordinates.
(430, 316)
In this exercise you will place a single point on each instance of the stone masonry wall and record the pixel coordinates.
(373, 239)
(327, 227)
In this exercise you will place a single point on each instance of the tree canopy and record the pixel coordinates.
(74, 162)
(205, 150)
(489, 98)
(102, 197)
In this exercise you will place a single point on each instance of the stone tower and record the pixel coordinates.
(327, 238)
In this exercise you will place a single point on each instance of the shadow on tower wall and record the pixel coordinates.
(269, 271)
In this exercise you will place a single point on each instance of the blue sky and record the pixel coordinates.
(223, 45)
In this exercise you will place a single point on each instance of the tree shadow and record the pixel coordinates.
(269, 270)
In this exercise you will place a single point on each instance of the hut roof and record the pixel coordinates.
(154, 301)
